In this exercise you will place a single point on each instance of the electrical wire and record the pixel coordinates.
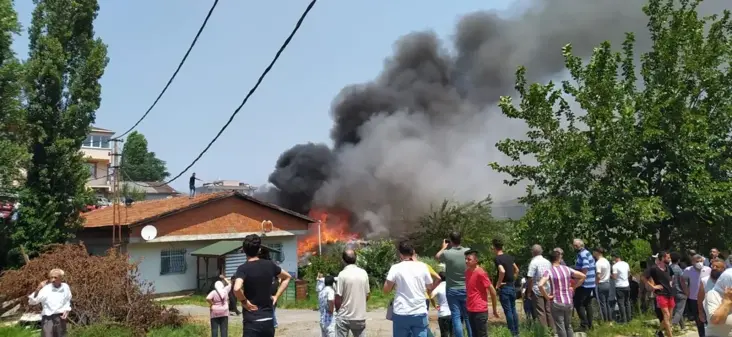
(251, 92)
(180, 65)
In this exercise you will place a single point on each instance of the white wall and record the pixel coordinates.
(149, 267)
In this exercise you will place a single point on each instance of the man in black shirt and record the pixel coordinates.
(192, 184)
(659, 278)
(507, 270)
(253, 288)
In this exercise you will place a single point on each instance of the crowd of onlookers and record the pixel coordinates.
(678, 288)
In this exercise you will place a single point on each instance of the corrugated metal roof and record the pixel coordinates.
(220, 248)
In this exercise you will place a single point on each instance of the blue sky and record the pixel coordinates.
(340, 43)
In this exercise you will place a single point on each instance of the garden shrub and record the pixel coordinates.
(105, 288)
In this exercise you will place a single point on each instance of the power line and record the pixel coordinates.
(251, 92)
(180, 65)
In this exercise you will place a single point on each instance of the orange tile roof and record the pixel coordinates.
(144, 210)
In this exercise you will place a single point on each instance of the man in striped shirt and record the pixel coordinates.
(583, 295)
(560, 277)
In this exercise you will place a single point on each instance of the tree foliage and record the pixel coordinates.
(645, 151)
(62, 94)
(139, 164)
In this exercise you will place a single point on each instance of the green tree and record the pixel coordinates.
(135, 193)
(139, 164)
(650, 161)
(62, 94)
(13, 149)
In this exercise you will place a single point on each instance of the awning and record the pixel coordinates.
(222, 248)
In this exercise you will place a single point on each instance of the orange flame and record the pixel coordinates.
(334, 227)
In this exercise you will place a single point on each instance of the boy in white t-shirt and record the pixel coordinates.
(410, 280)
(444, 318)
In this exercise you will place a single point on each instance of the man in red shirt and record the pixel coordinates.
(477, 287)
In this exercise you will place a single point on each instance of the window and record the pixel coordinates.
(172, 261)
(275, 256)
(92, 167)
(96, 141)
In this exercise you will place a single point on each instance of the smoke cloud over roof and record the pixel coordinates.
(425, 129)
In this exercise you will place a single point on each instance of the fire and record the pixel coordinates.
(334, 227)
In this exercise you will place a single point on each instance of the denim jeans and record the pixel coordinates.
(603, 299)
(220, 324)
(410, 325)
(507, 296)
(274, 316)
(456, 299)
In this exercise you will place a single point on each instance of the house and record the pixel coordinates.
(98, 155)
(186, 226)
(226, 185)
(509, 210)
(153, 190)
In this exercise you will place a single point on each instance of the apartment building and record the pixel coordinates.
(97, 150)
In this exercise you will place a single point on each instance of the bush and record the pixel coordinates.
(376, 259)
(105, 288)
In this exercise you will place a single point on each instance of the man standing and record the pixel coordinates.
(452, 255)
(695, 273)
(351, 293)
(659, 279)
(541, 307)
(681, 288)
(713, 254)
(583, 295)
(602, 282)
(621, 275)
(55, 299)
(478, 285)
(192, 184)
(410, 281)
(507, 269)
(252, 286)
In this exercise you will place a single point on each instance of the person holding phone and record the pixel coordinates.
(218, 303)
(54, 296)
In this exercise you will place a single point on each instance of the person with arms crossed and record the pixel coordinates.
(621, 277)
(252, 286)
(452, 255)
(54, 296)
(477, 286)
(507, 270)
(352, 291)
(409, 280)
(561, 277)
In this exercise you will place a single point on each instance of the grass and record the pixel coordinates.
(17, 331)
(378, 300)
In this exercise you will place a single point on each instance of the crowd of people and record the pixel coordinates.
(679, 287)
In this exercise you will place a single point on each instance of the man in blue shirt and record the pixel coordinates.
(583, 295)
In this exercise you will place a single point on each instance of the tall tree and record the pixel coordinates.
(13, 149)
(62, 92)
(139, 164)
(652, 161)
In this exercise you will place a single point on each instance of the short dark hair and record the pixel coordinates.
(251, 245)
(472, 252)
(599, 250)
(349, 256)
(405, 248)
(555, 256)
(661, 255)
(443, 276)
(498, 243)
(264, 253)
(675, 257)
(455, 237)
(329, 281)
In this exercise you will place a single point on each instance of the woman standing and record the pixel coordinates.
(218, 301)
(562, 290)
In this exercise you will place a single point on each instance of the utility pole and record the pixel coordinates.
(116, 199)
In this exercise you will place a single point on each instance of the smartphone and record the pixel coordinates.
(447, 241)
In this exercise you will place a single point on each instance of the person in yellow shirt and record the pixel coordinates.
(436, 279)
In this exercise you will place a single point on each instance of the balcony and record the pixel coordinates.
(97, 154)
(102, 182)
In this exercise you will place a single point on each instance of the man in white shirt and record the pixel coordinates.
(444, 316)
(602, 281)
(542, 309)
(410, 280)
(351, 293)
(55, 299)
(621, 275)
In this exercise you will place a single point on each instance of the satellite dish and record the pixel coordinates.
(149, 232)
